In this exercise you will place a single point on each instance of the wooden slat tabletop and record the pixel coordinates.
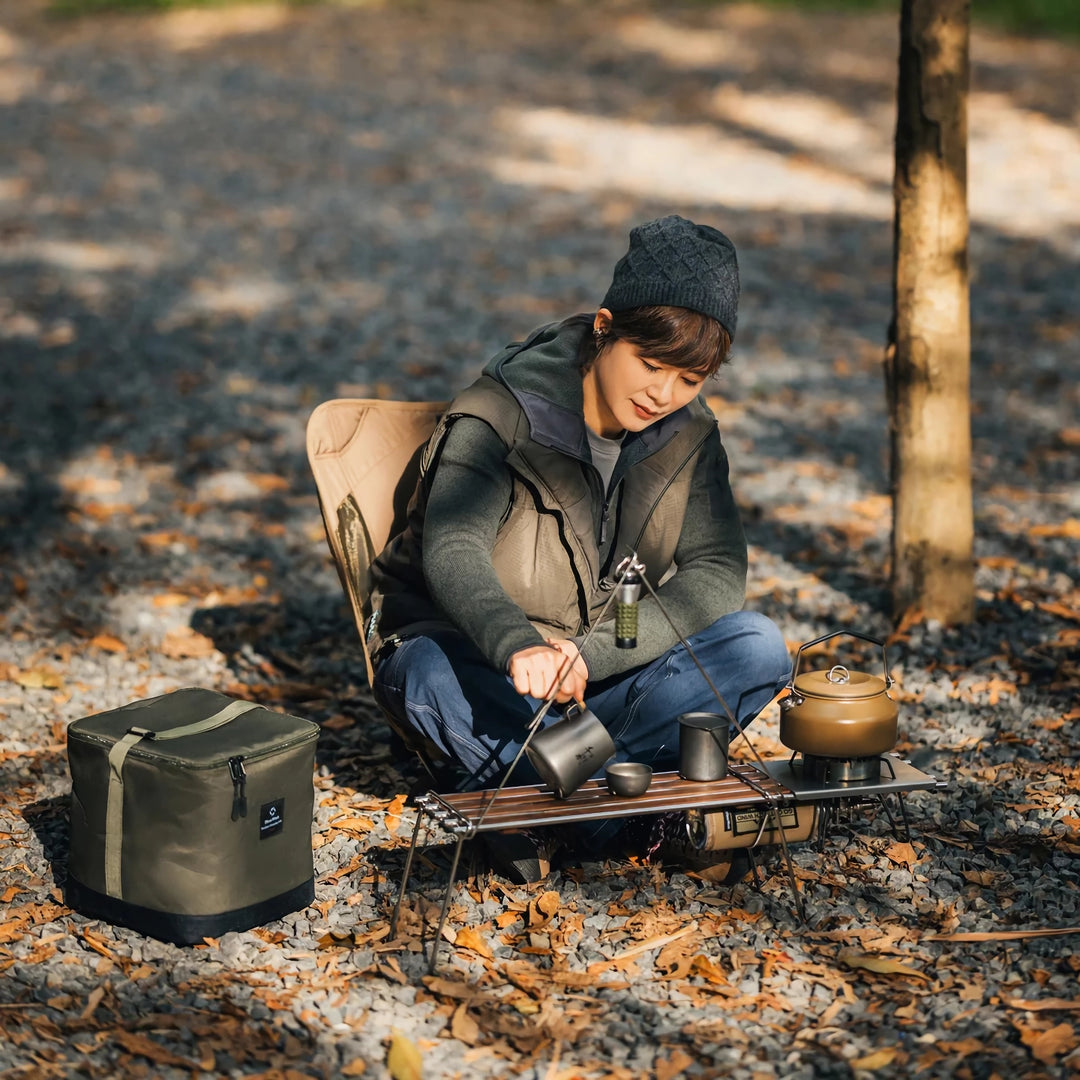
(533, 805)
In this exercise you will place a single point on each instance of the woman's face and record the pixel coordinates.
(625, 391)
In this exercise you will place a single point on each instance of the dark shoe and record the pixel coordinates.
(521, 856)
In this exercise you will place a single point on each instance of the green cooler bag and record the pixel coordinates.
(191, 815)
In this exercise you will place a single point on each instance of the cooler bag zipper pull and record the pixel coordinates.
(239, 779)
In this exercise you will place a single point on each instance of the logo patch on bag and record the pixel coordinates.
(271, 818)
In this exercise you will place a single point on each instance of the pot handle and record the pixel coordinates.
(828, 637)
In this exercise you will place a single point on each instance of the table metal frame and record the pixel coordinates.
(768, 790)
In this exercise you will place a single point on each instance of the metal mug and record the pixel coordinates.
(703, 746)
(568, 752)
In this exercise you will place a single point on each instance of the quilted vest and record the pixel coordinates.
(546, 553)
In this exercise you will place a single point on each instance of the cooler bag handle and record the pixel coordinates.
(114, 806)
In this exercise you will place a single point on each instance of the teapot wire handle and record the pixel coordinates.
(829, 637)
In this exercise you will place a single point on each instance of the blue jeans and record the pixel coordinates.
(439, 686)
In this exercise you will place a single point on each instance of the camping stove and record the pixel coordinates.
(830, 771)
(811, 778)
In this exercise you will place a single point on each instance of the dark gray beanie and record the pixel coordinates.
(673, 262)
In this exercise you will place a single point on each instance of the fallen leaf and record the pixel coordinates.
(876, 1059)
(1069, 529)
(90, 485)
(166, 538)
(1047, 1046)
(986, 878)
(403, 1059)
(469, 938)
(963, 1047)
(674, 1065)
(92, 1002)
(337, 723)
(880, 965)
(146, 1047)
(268, 481)
(463, 1027)
(902, 855)
(643, 947)
(39, 678)
(108, 643)
(1042, 1004)
(542, 910)
(356, 1067)
(1004, 935)
(523, 1004)
(393, 812)
(170, 599)
(392, 970)
(353, 824)
(185, 643)
(1061, 610)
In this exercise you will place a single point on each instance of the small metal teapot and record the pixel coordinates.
(839, 713)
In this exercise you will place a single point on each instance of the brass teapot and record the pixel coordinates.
(839, 713)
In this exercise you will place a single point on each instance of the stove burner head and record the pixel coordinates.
(826, 770)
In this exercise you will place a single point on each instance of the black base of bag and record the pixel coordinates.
(185, 929)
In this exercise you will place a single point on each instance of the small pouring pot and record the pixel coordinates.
(568, 752)
(703, 746)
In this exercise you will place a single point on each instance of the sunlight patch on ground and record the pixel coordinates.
(244, 297)
(815, 154)
(80, 256)
(184, 30)
(858, 145)
(10, 481)
(9, 45)
(683, 48)
(17, 80)
(575, 152)
(1023, 169)
(733, 52)
(13, 188)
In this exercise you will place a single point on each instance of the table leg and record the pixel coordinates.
(445, 905)
(421, 809)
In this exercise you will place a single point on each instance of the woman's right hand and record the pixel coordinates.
(535, 671)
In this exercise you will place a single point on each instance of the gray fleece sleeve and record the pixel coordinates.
(469, 493)
(710, 579)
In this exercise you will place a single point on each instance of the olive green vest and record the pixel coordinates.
(550, 527)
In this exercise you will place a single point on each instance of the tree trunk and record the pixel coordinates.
(928, 359)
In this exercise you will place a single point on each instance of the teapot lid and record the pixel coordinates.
(840, 683)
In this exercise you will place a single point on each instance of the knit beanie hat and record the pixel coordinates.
(673, 262)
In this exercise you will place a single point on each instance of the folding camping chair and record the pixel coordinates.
(365, 456)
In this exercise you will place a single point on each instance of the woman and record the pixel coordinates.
(582, 444)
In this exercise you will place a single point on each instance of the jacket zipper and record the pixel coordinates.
(671, 480)
(583, 603)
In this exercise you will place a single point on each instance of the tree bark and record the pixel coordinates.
(928, 358)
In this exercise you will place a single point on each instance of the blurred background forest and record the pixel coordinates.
(1020, 16)
(211, 219)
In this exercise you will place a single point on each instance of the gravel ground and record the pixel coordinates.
(211, 222)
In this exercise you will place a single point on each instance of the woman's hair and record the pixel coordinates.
(676, 336)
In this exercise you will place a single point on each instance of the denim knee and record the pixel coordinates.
(766, 645)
